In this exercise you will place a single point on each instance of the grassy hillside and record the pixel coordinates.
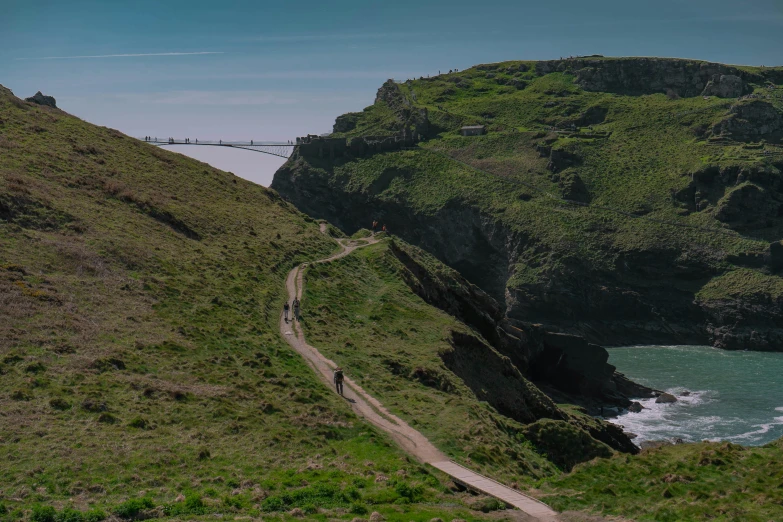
(142, 373)
(702, 481)
(362, 314)
(602, 208)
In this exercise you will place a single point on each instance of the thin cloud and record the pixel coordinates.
(312, 37)
(129, 55)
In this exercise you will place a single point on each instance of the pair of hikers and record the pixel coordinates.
(294, 306)
(375, 227)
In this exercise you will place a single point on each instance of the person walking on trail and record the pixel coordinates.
(384, 229)
(338, 380)
(374, 226)
(296, 309)
(285, 311)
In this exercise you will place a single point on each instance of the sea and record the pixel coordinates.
(722, 395)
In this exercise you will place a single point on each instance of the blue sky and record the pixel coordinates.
(276, 70)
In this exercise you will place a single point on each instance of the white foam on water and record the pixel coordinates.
(752, 436)
(665, 421)
(674, 420)
(725, 402)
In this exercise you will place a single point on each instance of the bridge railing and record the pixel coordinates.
(195, 141)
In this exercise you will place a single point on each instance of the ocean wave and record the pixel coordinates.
(762, 430)
(724, 403)
(683, 420)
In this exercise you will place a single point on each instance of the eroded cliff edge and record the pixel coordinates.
(689, 249)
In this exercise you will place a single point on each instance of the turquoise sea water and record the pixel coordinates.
(734, 396)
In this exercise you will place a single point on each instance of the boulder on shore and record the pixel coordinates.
(635, 407)
(665, 398)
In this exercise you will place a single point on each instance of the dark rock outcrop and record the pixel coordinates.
(494, 379)
(740, 196)
(747, 205)
(567, 362)
(666, 398)
(751, 119)
(725, 86)
(634, 76)
(411, 120)
(565, 444)
(775, 256)
(346, 122)
(573, 188)
(42, 99)
(574, 365)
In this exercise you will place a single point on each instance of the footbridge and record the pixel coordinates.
(280, 149)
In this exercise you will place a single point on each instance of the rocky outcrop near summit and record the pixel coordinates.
(686, 78)
(750, 120)
(40, 99)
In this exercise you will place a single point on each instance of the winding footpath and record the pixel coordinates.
(366, 406)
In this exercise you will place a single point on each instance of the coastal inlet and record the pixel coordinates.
(735, 396)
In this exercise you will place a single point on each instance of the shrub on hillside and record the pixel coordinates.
(43, 514)
(130, 508)
(564, 444)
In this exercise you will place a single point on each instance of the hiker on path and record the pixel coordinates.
(338, 380)
(285, 311)
(295, 305)
(374, 226)
(384, 229)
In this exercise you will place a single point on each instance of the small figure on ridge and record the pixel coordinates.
(338, 380)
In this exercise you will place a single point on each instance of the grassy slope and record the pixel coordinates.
(702, 481)
(362, 315)
(358, 311)
(650, 150)
(139, 353)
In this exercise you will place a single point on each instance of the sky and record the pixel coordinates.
(237, 70)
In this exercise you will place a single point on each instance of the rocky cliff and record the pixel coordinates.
(633, 206)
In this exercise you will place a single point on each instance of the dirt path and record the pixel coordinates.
(365, 405)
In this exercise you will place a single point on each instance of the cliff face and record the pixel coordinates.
(499, 373)
(635, 76)
(612, 231)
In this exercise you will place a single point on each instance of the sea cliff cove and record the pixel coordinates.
(721, 395)
(436, 261)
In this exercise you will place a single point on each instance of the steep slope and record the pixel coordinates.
(142, 372)
(369, 313)
(626, 200)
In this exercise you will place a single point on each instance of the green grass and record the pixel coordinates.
(361, 314)
(141, 361)
(742, 283)
(702, 481)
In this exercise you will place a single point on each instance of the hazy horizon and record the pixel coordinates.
(275, 72)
